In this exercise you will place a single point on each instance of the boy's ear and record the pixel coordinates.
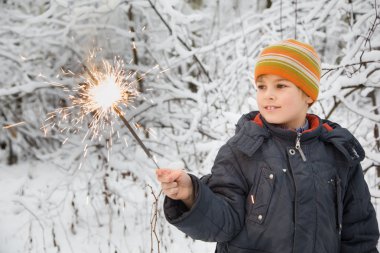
(309, 100)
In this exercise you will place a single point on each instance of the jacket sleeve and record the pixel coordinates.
(219, 208)
(360, 231)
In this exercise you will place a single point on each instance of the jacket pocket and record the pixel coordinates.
(260, 196)
(339, 205)
(336, 183)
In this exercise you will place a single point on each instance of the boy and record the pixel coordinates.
(287, 181)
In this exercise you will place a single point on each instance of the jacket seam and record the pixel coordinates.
(240, 167)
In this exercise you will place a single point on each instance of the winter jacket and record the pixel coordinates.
(273, 190)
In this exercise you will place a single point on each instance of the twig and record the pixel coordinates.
(372, 95)
(347, 65)
(180, 40)
(336, 103)
(371, 31)
(281, 20)
(365, 170)
(66, 236)
(295, 25)
(153, 221)
(244, 37)
(134, 50)
(38, 220)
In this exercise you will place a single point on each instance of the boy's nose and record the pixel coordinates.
(270, 95)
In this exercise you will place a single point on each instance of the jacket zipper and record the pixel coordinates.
(298, 146)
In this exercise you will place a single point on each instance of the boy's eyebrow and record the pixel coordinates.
(260, 80)
(281, 79)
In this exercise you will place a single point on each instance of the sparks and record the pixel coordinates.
(13, 125)
(102, 86)
(102, 93)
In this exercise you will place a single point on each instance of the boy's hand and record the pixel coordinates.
(176, 184)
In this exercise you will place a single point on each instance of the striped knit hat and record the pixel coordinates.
(293, 60)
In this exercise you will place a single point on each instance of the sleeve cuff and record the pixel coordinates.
(175, 209)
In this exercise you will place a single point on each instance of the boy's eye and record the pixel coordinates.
(260, 87)
(280, 85)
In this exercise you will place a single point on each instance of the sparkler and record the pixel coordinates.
(125, 121)
(101, 94)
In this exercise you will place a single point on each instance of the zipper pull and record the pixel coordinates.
(298, 147)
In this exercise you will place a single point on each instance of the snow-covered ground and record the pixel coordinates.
(42, 210)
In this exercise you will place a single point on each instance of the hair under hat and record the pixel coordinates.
(293, 60)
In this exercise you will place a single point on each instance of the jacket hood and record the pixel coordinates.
(244, 119)
(344, 141)
(251, 132)
(249, 135)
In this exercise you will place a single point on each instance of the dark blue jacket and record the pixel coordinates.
(266, 196)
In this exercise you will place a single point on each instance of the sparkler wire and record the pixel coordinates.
(126, 123)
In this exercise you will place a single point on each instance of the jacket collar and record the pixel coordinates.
(290, 136)
(252, 130)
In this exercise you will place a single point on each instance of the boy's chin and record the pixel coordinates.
(272, 119)
(276, 121)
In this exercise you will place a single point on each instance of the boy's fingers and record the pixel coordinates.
(167, 175)
(171, 193)
(162, 172)
(161, 175)
(166, 186)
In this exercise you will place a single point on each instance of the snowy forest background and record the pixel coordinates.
(55, 199)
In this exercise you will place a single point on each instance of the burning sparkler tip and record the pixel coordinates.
(100, 95)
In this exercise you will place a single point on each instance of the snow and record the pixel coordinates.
(53, 199)
(37, 200)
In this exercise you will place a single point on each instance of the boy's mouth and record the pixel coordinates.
(271, 107)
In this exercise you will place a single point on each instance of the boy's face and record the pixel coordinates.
(281, 102)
